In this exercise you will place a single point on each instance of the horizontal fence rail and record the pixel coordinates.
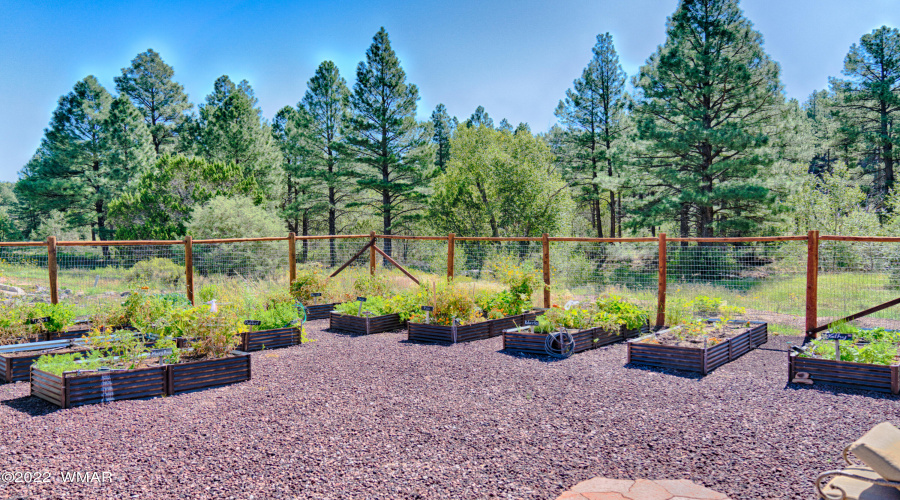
(815, 278)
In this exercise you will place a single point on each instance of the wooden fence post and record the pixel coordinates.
(451, 249)
(292, 257)
(372, 255)
(545, 241)
(52, 270)
(189, 267)
(661, 297)
(812, 282)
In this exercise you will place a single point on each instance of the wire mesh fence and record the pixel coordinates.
(24, 268)
(762, 277)
(92, 275)
(330, 253)
(242, 270)
(857, 275)
(767, 278)
(588, 268)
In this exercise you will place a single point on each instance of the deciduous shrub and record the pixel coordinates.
(157, 271)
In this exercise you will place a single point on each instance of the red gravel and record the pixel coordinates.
(377, 417)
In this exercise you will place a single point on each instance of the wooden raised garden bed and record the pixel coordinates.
(880, 378)
(196, 375)
(698, 359)
(365, 325)
(444, 334)
(16, 366)
(319, 311)
(270, 339)
(98, 387)
(523, 340)
(114, 385)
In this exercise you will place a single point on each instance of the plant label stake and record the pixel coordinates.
(531, 323)
(837, 338)
(427, 310)
(314, 295)
(360, 300)
(159, 353)
(36, 321)
(252, 322)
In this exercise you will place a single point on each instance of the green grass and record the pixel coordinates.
(776, 329)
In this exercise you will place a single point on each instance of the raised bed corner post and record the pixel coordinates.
(812, 283)
(292, 256)
(661, 297)
(451, 249)
(52, 270)
(545, 242)
(189, 267)
(372, 255)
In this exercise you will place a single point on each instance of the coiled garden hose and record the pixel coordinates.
(302, 310)
(560, 344)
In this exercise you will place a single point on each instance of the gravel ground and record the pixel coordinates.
(377, 417)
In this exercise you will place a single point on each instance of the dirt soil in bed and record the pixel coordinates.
(378, 417)
(713, 334)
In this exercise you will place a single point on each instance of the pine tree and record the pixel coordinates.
(868, 104)
(296, 134)
(231, 130)
(443, 127)
(707, 97)
(505, 126)
(87, 156)
(387, 141)
(480, 117)
(128, 143)
(326, 100)
(593, 112)
(162, 101)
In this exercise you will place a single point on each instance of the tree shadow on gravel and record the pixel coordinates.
(342, 333)
(31, 405)
(837, 390)
(665, 371)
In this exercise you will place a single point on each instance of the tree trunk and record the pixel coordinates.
(887, 150)
(612, 214)
(386, 221)
(305, 224)
(596, 206)
(101, 226)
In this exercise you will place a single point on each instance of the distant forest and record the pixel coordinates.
(701, 142)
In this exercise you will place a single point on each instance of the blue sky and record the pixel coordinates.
(516, 58)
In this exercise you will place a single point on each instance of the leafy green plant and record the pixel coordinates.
(877, 352)
(374, 305)
(58, 364)
(60, 317)
(125, 345)
(208, 292)
(212, 334)
(276, 315)
(12, 324)
(450, 301)
(149, 312)
(843, 327)
(626, 313)
(521, 282)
